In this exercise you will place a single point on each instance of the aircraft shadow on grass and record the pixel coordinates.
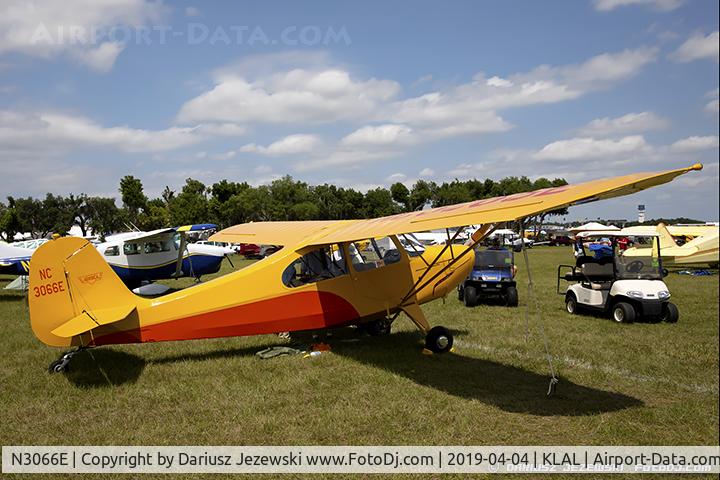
(104, 367)
(509, 388)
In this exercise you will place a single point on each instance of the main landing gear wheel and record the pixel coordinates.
(439, 340)
(380, 327)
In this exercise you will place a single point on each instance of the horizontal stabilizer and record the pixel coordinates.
(86, 321)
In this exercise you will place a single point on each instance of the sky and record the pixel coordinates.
(360, 94)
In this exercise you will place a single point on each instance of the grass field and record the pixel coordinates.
(642, 383)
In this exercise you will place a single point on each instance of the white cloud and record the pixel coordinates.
(290, 145)
(395, 177)
(698, 47)
(79, 29)
(316, 93)
(381, 135)
(48, 131)
(695, 144)
(262, 169)
(591, 148)
(661, 5)
(713, 106)
(295, 96)
(472, 107)
(427, 172)
(102, 58)
(498, 82)
(629, 123)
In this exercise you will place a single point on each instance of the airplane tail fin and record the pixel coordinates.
(72, 291)
(666, 240)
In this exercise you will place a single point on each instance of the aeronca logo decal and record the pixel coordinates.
(91, 278)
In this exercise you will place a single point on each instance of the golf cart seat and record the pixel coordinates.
(583, 259)
(598, 273)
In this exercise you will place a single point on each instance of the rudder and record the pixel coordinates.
(68, 277)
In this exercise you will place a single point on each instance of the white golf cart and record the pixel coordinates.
(627, 288)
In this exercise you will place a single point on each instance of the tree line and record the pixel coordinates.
(228, 203)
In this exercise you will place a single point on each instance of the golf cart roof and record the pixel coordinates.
(617, 233)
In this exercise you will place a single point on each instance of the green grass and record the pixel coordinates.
(637, 384)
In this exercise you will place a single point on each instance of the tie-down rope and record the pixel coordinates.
(538, 314)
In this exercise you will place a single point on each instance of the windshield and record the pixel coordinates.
(640, 263)
(494, 258)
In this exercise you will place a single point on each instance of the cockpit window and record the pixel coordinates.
(113, 251)
(321, 264)
(131, 248)
(155, 247)
(373, 253)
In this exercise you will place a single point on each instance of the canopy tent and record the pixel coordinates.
(592, 227)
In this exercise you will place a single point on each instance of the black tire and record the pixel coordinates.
(439, 340)
(470, 296)
(670, 313)
(623, 312)
(58, 367)
(511, 297)
(461, 293)
(571, 303)
(379, 328)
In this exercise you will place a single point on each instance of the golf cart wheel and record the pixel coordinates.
(670, 313)
(470, 296)
(623, 312)
(511, 297)
(571, 303)
(380, 327)
(461, 293)
(439, 340)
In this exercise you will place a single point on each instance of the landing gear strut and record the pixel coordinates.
(62, 364)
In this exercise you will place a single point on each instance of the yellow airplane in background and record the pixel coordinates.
(328, 274)
(702, 249)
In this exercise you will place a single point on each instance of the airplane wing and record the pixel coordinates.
(277, 233)
(486, 211)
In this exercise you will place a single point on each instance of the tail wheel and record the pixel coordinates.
(439, 340)
(623, 312)
(511, 297)
(470, 296)
(571, 304)
(670, 313)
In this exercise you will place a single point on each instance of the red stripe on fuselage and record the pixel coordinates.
(298, 311)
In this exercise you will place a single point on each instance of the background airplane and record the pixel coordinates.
(702, 248)
(14, 260)
(138, 257)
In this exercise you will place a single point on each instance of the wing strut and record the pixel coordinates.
(181, 252)
(476, 238)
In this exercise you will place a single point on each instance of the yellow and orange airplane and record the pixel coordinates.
(328, 274)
